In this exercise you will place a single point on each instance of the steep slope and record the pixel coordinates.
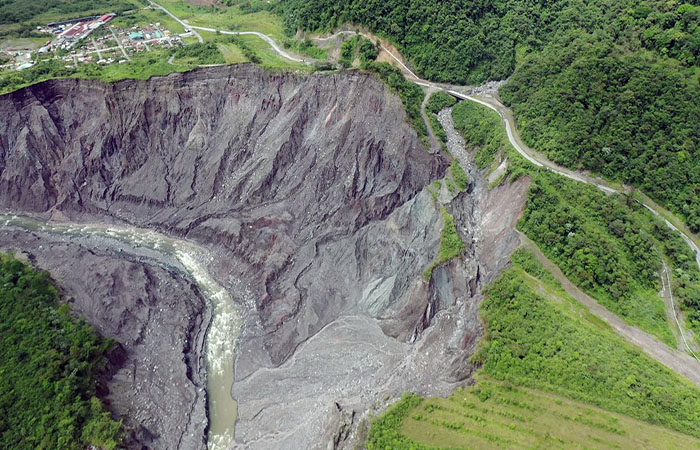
(308, 192)
(607, 86)
(156, 315)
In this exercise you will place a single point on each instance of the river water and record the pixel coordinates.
(225, 323)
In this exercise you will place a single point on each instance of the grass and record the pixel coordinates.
(269, 58)
(23, 43)
(231, 53)
(603, 244)
(55, 16)
(460, 178)
(227, 18)
(142, 66)
(552, 376)
(147, 16)
(539, 338)
(451, 245)
(145, 65)
(436, 103)
(493, 415)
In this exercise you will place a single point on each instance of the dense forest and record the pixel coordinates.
(535, 341)
(610, 246)
(48, 363)
(606, 85)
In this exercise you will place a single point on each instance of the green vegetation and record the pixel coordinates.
(410, 94)
(684, 272)
(248, 51)
(439, 101)
(436, 103)
(537, 337)
(611, 86)
(47, 369)
(631, 117)
(232, 53)
(386, 429)
(233, 15)
(357, 47)
(451, 245)
(217, 48)
(347, 51)
(460, 178)
(201, 53)
(20, 17)
(142, 66)
(367, 51)
(305, 47)
(140, 17)
(495, 415)
(482, 129)
(603, 244)
(532, 341)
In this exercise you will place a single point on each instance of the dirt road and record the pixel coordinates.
(681, 363)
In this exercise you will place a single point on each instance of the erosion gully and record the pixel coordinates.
(225, 325)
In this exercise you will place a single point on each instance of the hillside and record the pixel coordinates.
(609, 86)
(49, 364)
(307, 193)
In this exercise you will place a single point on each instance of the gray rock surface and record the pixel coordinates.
(308, 191)
(156, 378)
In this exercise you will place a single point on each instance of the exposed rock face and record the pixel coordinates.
(308, 190)
(158, 317)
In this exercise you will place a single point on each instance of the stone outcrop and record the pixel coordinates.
(308, 190)
(156, 380)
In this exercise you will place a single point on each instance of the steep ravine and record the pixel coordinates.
(308, 193)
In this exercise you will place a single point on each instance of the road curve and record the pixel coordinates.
(264, 37)
(541, 161)
(370, 37)
(197, 35)
(667, 289)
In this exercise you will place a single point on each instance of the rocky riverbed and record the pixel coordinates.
(308, 193)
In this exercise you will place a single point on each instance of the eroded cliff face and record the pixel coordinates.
(155, 381)
(308, 190)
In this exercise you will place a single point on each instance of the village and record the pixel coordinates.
(91, 39)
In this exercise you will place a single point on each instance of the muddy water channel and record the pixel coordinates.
(223, 329)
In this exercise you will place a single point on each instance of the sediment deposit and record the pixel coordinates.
(308, 192)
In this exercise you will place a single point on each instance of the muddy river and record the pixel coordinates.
(225, 324)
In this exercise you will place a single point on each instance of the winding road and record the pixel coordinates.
(177, 19)
(264, 37)
(681, 363)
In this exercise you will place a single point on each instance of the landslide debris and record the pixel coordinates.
(308, 190)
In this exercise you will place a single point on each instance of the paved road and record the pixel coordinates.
(681, 363)
(264, 37)
(540, 160)
(97, 48)
(119, 43)
(187, 26)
